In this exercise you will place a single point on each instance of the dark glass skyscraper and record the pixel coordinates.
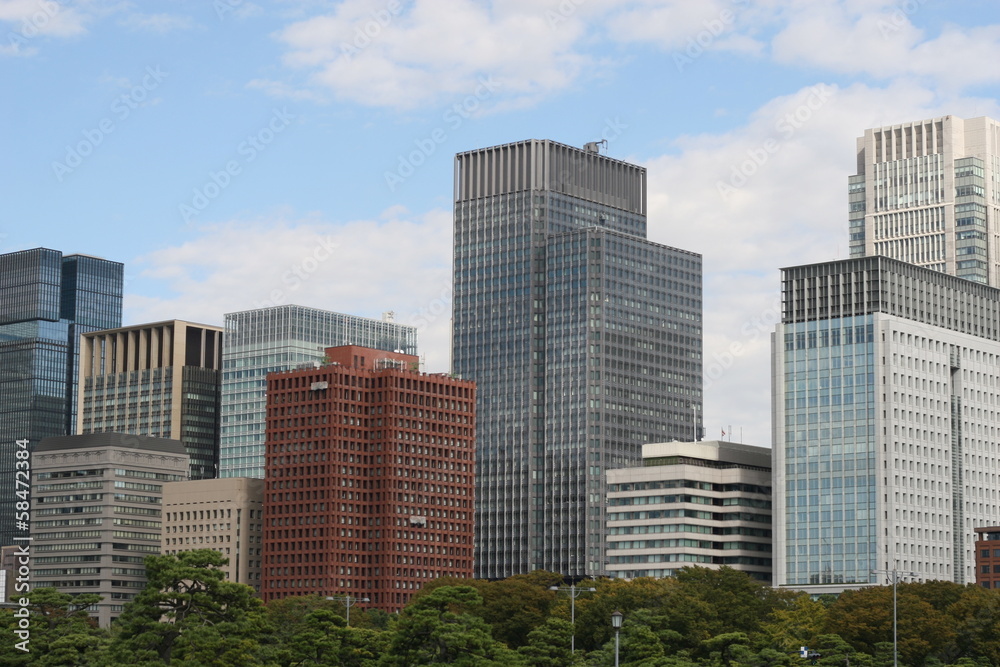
(584, 339)
(46, 302)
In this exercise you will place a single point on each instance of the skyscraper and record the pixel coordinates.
(280, 338)
(161, 379)
(885, 386)
(928, 193)
(387, 456)
(46, 301)
(584, 339)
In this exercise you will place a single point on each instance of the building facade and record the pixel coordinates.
(584, 339)
(97, 513)
(161, 379)
(928, 193)
(280, 338)
(369, 478)
(705, 504)
(885, 380)
(47, 300)
(988, 557)
(225, 515)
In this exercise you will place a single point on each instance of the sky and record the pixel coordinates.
(236, 154)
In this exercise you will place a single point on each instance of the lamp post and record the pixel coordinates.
(895, 574)
(616, 623)
(348, 602)
(574, 593)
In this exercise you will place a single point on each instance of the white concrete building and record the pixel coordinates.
(886, 412)
(691, 503)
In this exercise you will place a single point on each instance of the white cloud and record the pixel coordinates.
(388, 54)
(791, 210)
(24, 22)
(880, 39)
(161, 23)
(398, 262)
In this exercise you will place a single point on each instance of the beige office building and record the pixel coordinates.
(96, 513)
(225, 515)
(927, 192)
(162, 379)
(691, 503)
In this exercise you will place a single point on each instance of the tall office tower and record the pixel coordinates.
(584, 339)
(280, 338)
(928, 193)
(886, 378)
(691, 503)
(369, 486)
(96, 515)
(225, 515)
(162, 379)
(46, 301)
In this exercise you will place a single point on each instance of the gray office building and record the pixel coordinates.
(47, 300)
(584, 338)
(97, 513)
(886, 378)
(282, 338)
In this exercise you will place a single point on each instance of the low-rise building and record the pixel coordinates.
(988, 557)
(225, 515)
(691, 503)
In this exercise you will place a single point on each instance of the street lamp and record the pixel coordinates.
(895, 633)
(348, 602)
(616, 623)
(574, 593)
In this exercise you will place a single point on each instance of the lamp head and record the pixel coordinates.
(616, 619)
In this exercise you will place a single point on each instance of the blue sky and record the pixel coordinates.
(235, 154)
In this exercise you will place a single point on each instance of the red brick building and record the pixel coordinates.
(988, 557)
(369, 478)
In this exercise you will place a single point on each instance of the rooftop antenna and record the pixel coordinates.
(594, 146)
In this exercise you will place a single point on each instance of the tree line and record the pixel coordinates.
(189, 614)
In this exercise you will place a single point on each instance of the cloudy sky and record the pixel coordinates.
(235, 154)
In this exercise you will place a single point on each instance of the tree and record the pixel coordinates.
(549, 645)
(61, 630)
(796, 625)
(190, 614)
(863, 618)
(517, 605)
(435, 629)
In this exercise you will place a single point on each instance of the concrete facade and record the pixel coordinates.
(97, 513)
(162, 380)
(885, 380)
(225, 515)
(928, 192)
(691, 503)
